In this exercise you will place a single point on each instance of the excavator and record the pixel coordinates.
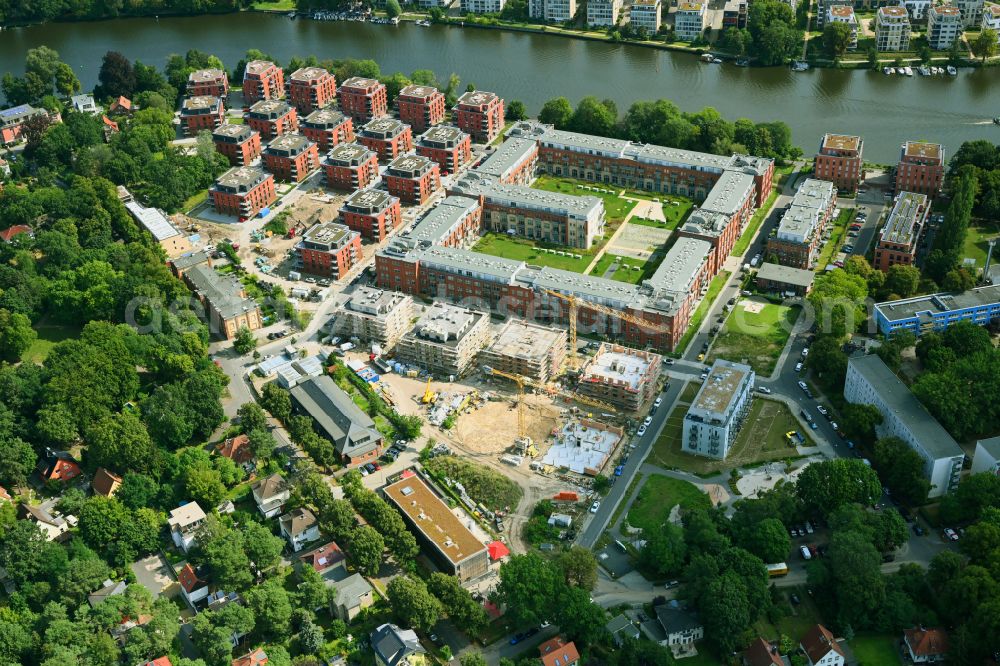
(429, 396)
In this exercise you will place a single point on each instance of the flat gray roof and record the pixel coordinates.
(940, 303)
(368, 202)
(351, 154)
(239, 132)
(224, 292)
(288, 145)
(324, 118)
(383, 128)
(419, 91)
(471, 263)
(904, 221)
(442, 135)
(720, 391)
(527, 197)
(258, 66)
(476, 98)
(200, 103)
(409, 166)
(445, 324)
(511, 154)
(934, 439)
(269, 109)
(241, 179)
(786, 274)
(375, 302)
(205, 75)
(309, 74)
(729, 193)
(441, 219)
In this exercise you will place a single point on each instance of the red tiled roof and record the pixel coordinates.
(760, 653)
(927, 642)
(188, 578)
(256, 658)
(4, 495)
(236, 449)
(110, 123)
(323, 557)
(105, 482)
(555, 652)
(818, 642)
(10, 232)
(159, 661)
(62, 470)
(122, 103)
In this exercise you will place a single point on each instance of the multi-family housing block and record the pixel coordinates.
(944, 26)
(513, 163)
(327, 128)
(311, 88)
(388, 137)
(372, 213)
(446, 339)
(555, 11)
(892, 29)
(900, 237)
(328, 249)
(480, 114)
(603, 13)
(991, 19)
(844, 14)
(375, 315)
(291, 157)
(262, 79)
(483, 6)
(920, 168)
(201, 113)
(421, 107)
(449, 146)
(239, 143)
(227, 306)
(689, 21)
(972, 12)
(208, 82)
(350, 166)
(363, 99)
(243, 192)
(412, 178)
(713, 420)
(871, 382)
(936, 312)
(839, 161)
(621, 376)
(646, 14)
(527, 349)
(272, 117)
(800, 231)
(12, 122)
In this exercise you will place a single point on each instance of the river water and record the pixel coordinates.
(533, 68)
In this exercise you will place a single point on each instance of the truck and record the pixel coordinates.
(294, 275)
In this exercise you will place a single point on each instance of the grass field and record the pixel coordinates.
(755, 338)
(689, 392)
(624, 272)
(675, 208)
(975, 242)
(718, 282)
(522, 249)
(761, 439)
(803, 616)
(195, 200)
(837, 232)
(657, 498)
(48, 336)
(615, 207)
(278, 5)
(875, 650)
(740, 248)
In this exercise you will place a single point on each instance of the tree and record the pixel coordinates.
(271, 607)
(204, 485)
(580, 618)
(245, 341)
(826, 485)
(901, 279)
(277, 401)
(366, 547)
(117, 77)
(472, 659)
(557, 112)
(262, 548)
(985, 44)
(464, 611)
(17, 459)
(593, 116)
(251, 417)
(768, 540)
(310, 634)
(529, 587)
(838, 299)
(392, 8)
(726, 610)
(902, 470)
(579, 567)
(516, 110)
(837, 38)
(222, 553)
(262, 443)
(860, 420)
(665, 550)
(16, 335)
(873, 57)
(412, 604)
(642, 653)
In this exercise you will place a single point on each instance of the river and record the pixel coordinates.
(533, 68)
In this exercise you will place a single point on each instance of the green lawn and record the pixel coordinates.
(48, 336)
(675, 208)
(522, 249)
(836, 238)
(689, 392)
(658, 496)
(706, 303)
(803, 617)
(615, 207)
(975, 242)
(625, 271)
(758, 218)
(875, 650)
(195, 200)
(276, 5)
(755, 338)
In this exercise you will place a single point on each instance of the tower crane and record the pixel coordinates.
(576, 303)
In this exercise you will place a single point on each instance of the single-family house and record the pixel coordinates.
(299, 527)
(557, 652)
(109, 588)
(353, 594)
(394, 647)
(121, 105)
(236, 449)
(159, 661)
(184, 522)
(680, 626)
(762, 653)
(58, 466)
(193, 586)
(84, 103)
(47, 518)
(926, 646)
(327, 560)
(8, 234)
(254, 658)
(120, 631)
(821, 648)
(105, 483)
(4, 495)
(621, 628)
(270, 493)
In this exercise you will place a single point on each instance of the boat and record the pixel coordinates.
(952, 71)
(424, 24)
(924, 70)
(889, 70)
(908, 71)
(743, 62)
(996, 121)
(291, 15)
(716, 61)
(707, 57)
(799, 66)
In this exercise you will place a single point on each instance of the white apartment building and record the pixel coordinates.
(871, 382)
(603, 13)
(944, 26)
(991, 19)
(375, 315)
(483, 6)
(714, 418)
(646, 14)
(844, 14)
(554, 11)
(987, 456)
(972, 12)
(916, 8)
(689, 21)
(892, 29)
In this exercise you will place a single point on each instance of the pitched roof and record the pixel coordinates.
(392, 644)
(123, 103)
(297, 521)
(236, 449)
(106, 483)
(255, 658)
(352, 430)
(15, 230)
(620, 623)
(189, 579)
(58, 466)
(324, 557)
(818, 642)
(269, 486)
(40, 513)
(927, 642)
(350, 590)
(159, 661)
(556, 652)
(675, 620)
(109, 589)
(112, 125)
(761, 653)
(4, 495)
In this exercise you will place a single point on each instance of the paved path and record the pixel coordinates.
(611, 241)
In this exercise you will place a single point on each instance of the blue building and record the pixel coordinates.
(936, 312)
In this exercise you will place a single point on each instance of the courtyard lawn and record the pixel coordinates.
(831, 246)
(675, 208)
(875, 650)
(48, 336)
(706, 303)
(616, 208)
(761, 439)
(975, 242)
(755, 338)
(522, 249)
(740, 248)
(657, 498)
(625, 271)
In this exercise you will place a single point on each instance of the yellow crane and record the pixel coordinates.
(576, 303)
(429, 395)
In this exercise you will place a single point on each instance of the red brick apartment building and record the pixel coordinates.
(243, 192)
(839, 161)
(480, 113)
(311, 88)
(291, 157)
(328, 128)
(328, 249)
(920, 168)
(900, 237)
(363, 99)
(239, 143)
(413, 178)
(388, 137)
(350, 166)
(421, 107)
(208, 83)
(272, 117)
(449, 146)
(199, 113)
(372, 213)
(262, 79)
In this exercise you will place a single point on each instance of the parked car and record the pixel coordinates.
(918, 530)
(805, 352)
(657, 402)
(672, 584)
(646, 421)
(764, 390)
(822, 410)
(809, 528)
(595, 506)
(950, 534)
(833, 424)
(798, 367)
(641, 431)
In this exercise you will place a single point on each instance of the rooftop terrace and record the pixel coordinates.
(906, 219)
